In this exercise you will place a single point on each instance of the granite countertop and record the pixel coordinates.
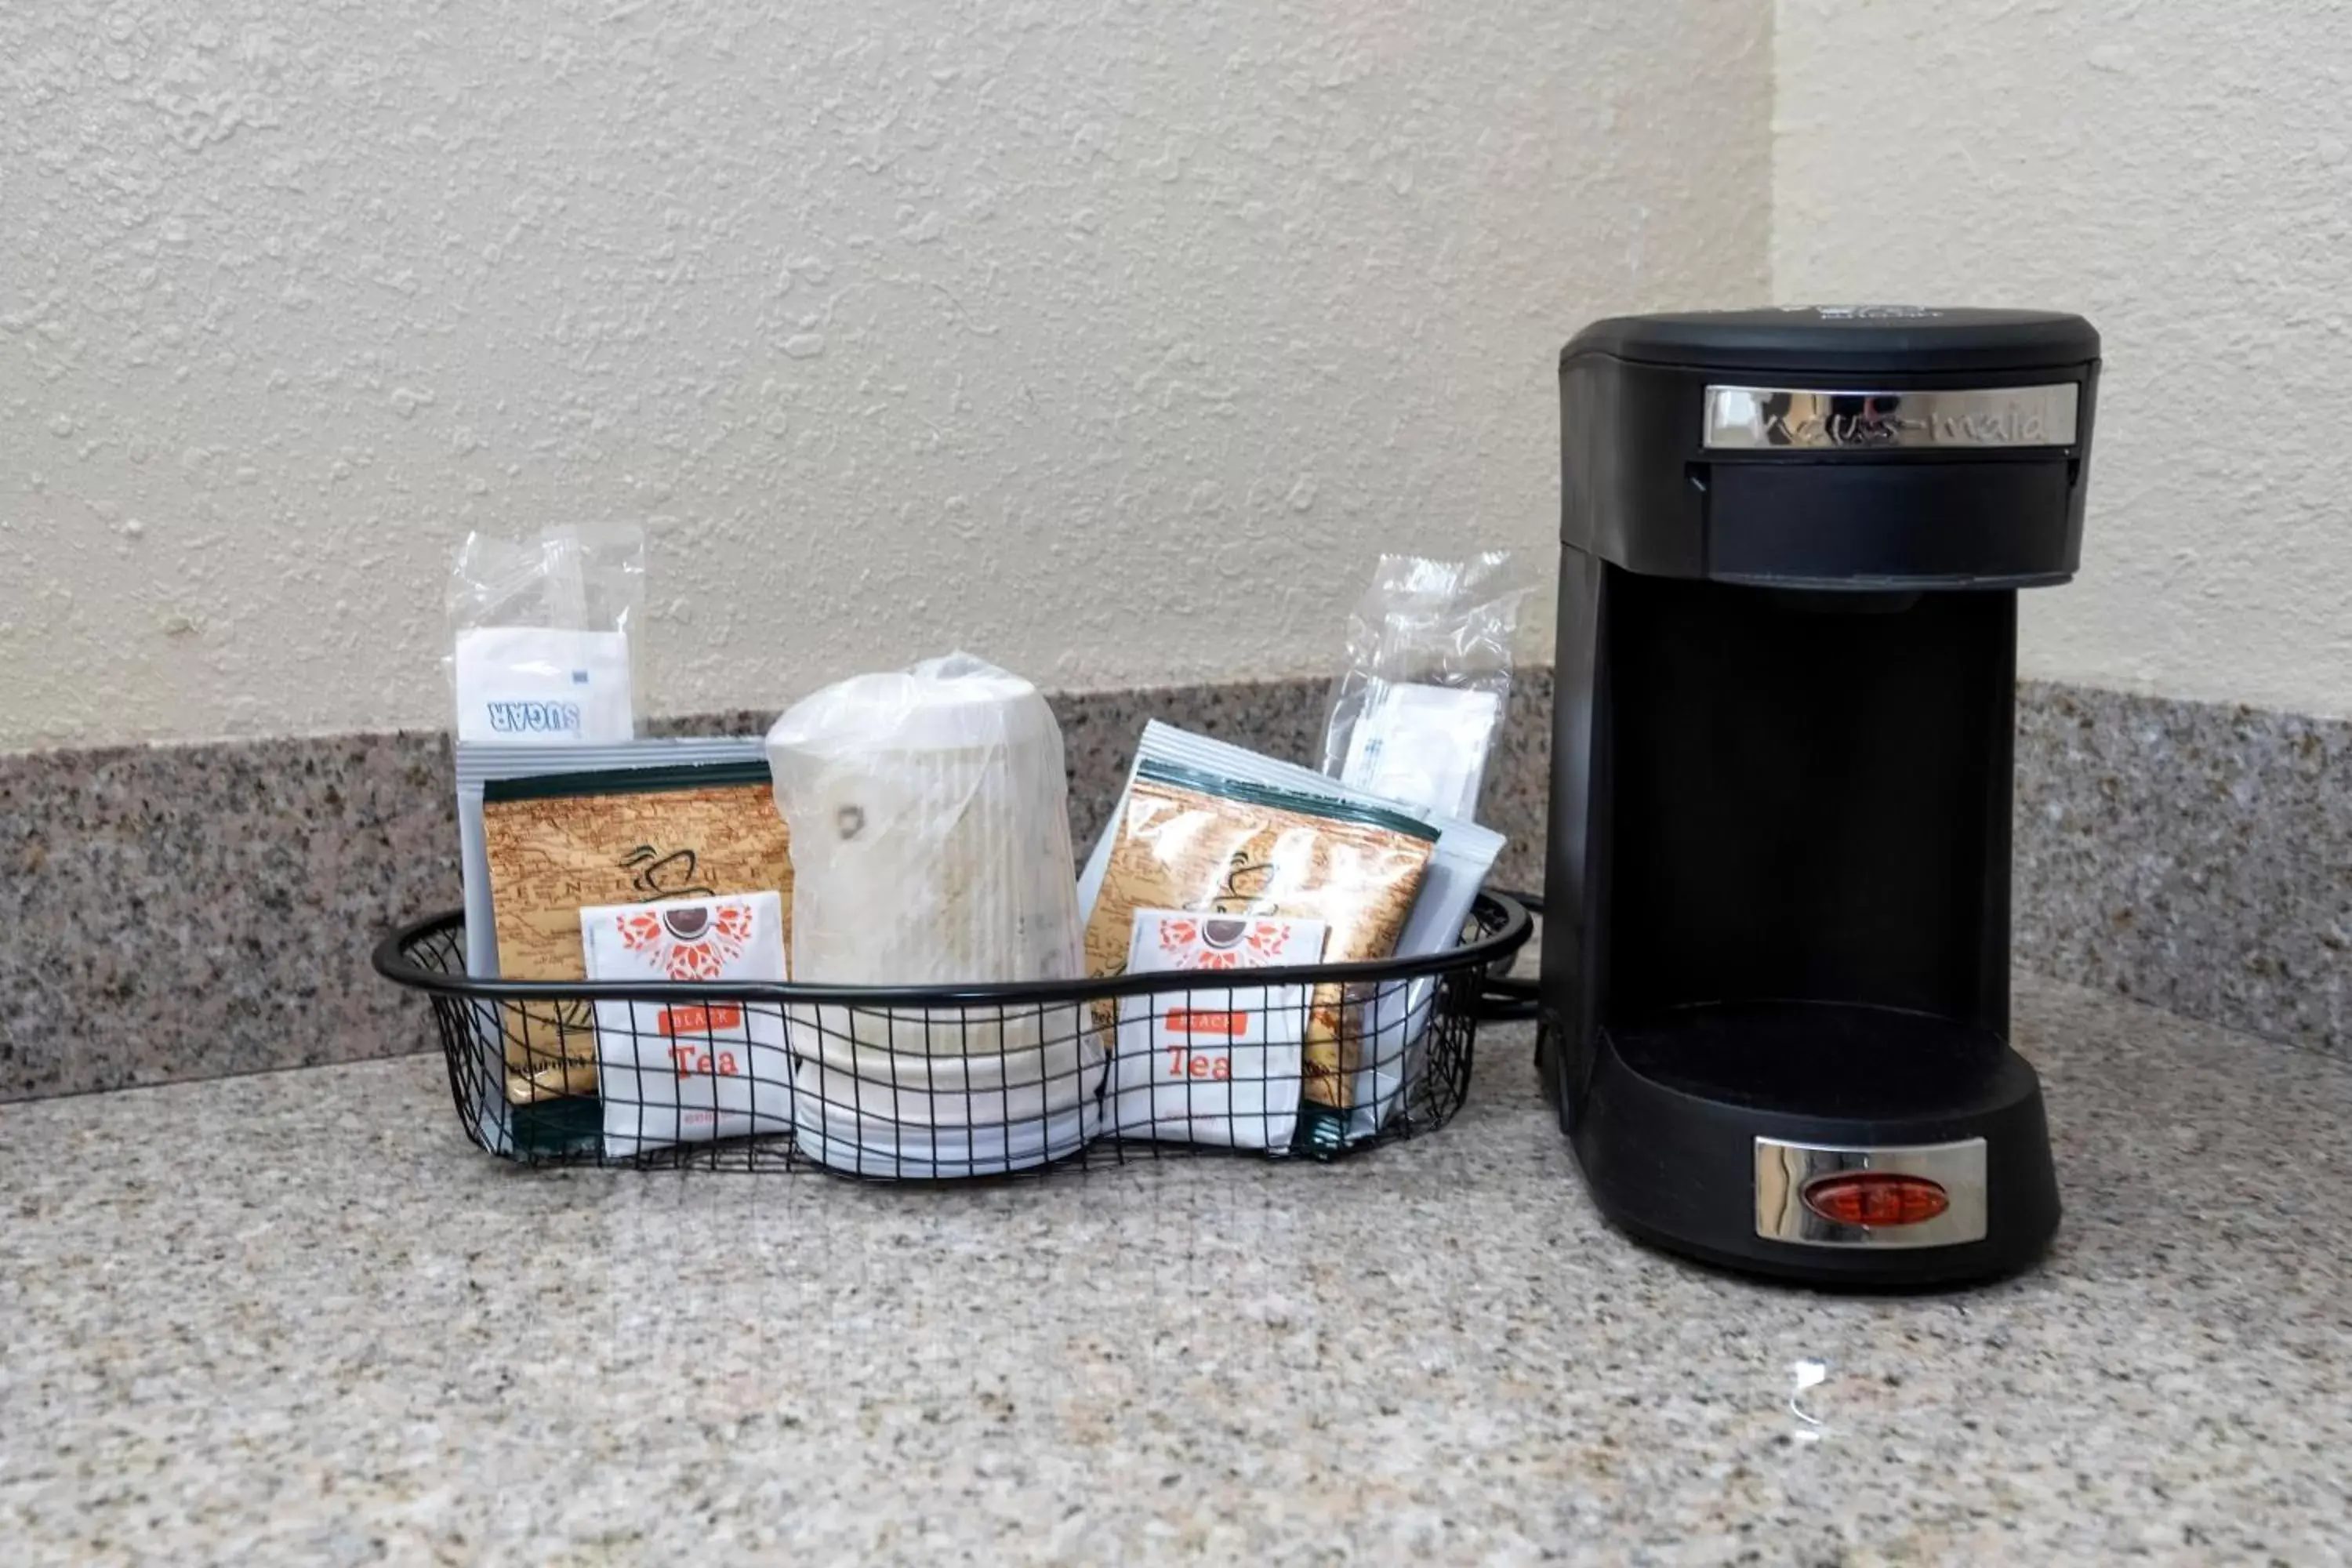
(295, 1317)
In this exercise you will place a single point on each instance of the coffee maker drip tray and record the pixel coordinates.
(1742, 1133)
(1825, 1061)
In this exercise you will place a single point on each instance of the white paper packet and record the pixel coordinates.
(539, 686)
(1424, 745)
(1216, 1062)
(1397, 1018)
(689, 1072)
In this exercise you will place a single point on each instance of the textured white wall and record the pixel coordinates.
(1111, 340)
(2182, 174)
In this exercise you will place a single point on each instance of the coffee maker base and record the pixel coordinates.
(1824, 1143)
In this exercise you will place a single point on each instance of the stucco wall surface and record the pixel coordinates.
(1109, 340)
(2182, 175)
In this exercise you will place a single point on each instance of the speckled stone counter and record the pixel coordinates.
(186, 911)
(295, 1318)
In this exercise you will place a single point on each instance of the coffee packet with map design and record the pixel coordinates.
(1189, 839)
(565, 842)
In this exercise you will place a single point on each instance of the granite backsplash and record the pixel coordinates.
(2194, 856)
(187, 912)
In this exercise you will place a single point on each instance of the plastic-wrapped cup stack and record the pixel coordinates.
(930, 836)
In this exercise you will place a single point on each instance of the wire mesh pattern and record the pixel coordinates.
(946, 1083)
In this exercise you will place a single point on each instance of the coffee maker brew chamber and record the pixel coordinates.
(1775, 999)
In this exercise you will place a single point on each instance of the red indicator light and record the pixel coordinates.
(1876, 1198)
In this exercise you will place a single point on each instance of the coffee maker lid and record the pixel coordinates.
(1888, 338)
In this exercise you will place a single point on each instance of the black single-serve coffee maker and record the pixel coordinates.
(1776, 963)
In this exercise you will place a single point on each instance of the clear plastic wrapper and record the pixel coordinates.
(930, 816)
(1426, 679)
(546, 635)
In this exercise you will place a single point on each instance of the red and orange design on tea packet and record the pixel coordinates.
(1227, 943)
(689, 942)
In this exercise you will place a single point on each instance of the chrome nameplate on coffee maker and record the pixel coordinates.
(1922, 1195)
(1784, 419)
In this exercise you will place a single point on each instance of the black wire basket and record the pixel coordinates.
(958, 1082)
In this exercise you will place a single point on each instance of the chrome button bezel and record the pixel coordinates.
(1784, 1170)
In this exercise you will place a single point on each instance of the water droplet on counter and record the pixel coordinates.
(1803, 1376)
